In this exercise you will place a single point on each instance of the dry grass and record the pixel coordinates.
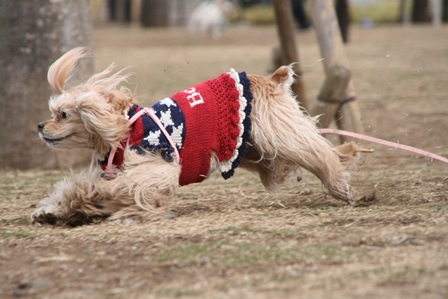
(230, 239)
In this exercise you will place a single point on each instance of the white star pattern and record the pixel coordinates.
(177, 135)
(153, 137)
(166, 119)
(168, 102)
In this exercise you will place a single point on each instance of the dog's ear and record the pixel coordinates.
(60, 71)
(107, 125)
(282, 74)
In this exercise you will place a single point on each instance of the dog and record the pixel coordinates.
(142, 155)
(209, 17)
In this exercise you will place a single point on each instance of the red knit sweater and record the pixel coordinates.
(216, 119)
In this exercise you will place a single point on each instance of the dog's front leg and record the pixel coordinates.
(144, 189)
(74, 201)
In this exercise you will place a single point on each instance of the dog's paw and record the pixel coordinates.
(366, 197)
(44, 215)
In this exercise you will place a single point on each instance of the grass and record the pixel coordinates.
(18, 234)
(260, 15)
(251, 231)
(241, 251)
(223, 254)
(18, 221)
(383, 11)
(37, 183)
(177, 293)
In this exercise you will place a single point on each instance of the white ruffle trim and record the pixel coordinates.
(225, 166)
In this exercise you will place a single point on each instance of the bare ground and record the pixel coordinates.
(230, 239)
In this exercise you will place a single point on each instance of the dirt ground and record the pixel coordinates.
(231, 239)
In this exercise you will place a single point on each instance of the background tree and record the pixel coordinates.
(420, 11)
(445, 11)
(154, 13)
(33, 34)
(343, 14)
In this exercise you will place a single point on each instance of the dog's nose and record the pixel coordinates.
(40, 126)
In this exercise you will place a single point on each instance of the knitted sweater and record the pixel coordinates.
(212, 116)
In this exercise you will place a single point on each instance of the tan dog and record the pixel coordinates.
(267, 133)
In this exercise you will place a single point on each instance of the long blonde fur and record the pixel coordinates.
(295, 142)
(60, 71)
(284, 139)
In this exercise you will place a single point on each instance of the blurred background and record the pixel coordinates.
(152, 13)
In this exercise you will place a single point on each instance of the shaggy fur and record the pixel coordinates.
(93, 115)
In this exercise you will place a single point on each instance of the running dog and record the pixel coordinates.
(142, 155)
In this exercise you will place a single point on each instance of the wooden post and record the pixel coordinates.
(333, 89)
(286, 33)
(337, 97)
(343, 15)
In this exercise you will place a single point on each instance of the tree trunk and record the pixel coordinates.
(343, 15)
(154, 13)
(445, 11)
(33, 34)
(420, 11)
(337, 96)
(404, 12)
(119, 11)
(285, 29)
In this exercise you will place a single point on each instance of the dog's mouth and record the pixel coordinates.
(56, 140)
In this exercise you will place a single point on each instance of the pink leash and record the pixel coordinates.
(108, 173)
(384, 142)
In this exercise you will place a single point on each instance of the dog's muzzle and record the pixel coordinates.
(40, 127)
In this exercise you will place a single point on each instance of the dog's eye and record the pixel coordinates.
(63, 115)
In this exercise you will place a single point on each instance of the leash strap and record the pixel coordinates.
(109, 173)
(385, 143)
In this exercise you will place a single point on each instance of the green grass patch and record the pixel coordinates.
(7, 187)
(444, 154)
(326, 253)
(19, 234)
(277, 233)
(6, 191)
(18, 221)
(177, 292)
(260, 15)
(385, 11)
(225, 254)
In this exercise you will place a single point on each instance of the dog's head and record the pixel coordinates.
(89, 115)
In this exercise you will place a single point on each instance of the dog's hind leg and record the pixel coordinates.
(271, 173)
(284, 135)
